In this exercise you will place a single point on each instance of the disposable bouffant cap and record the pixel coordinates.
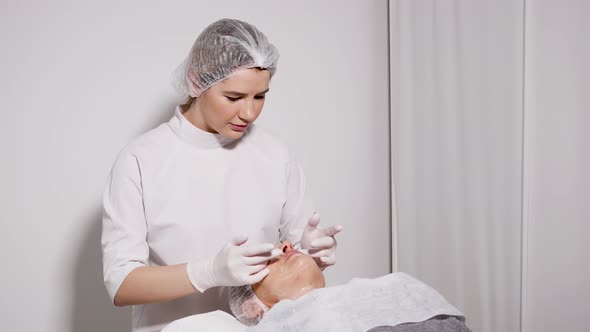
(223, 48)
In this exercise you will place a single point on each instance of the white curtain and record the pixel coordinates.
(556, 272)
(457, 152)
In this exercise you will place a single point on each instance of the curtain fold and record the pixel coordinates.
(456, 144)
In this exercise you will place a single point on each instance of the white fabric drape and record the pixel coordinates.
(456, 135)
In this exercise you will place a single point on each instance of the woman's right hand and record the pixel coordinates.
(236, 264)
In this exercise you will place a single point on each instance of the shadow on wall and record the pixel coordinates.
(92, 310)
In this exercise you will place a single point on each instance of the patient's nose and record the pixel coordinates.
(286, 246)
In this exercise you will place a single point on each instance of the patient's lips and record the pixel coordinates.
(290, 253)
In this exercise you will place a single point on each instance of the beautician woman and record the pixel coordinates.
(203, 200)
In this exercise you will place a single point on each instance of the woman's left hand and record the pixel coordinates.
(320, 243)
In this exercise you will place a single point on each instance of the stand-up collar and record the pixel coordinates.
(193, 135)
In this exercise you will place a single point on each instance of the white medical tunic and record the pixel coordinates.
(178, 194)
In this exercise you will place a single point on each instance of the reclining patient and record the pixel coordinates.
(292, 297)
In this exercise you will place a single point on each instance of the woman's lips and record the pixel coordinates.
(238, 127)
(291, 253)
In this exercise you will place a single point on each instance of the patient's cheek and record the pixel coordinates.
(289, 280)
(296, 278)
(306, 269)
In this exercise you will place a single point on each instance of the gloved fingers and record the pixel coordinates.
(304, 251)
(324, 242)
(239, 240)
(254, 260)
(261, 249)
(328, 260)
(312, 223)
(253, 269)
(318, 253)
(332, 230)
(256, 278)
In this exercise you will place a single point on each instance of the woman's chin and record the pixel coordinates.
(232, 134)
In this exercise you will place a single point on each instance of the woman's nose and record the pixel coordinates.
(286, 246)
(247, 113)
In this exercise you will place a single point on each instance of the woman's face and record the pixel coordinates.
(229, 106)
(291, 275)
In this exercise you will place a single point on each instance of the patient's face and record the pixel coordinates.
(291, 275)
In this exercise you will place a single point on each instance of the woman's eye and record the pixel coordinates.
(232, 99)
(259, 97)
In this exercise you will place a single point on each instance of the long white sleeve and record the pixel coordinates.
(123, 223)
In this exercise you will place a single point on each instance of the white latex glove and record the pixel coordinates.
(320, 243)
(236, 264)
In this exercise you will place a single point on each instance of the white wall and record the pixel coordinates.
(79, 80)
(557, 162)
